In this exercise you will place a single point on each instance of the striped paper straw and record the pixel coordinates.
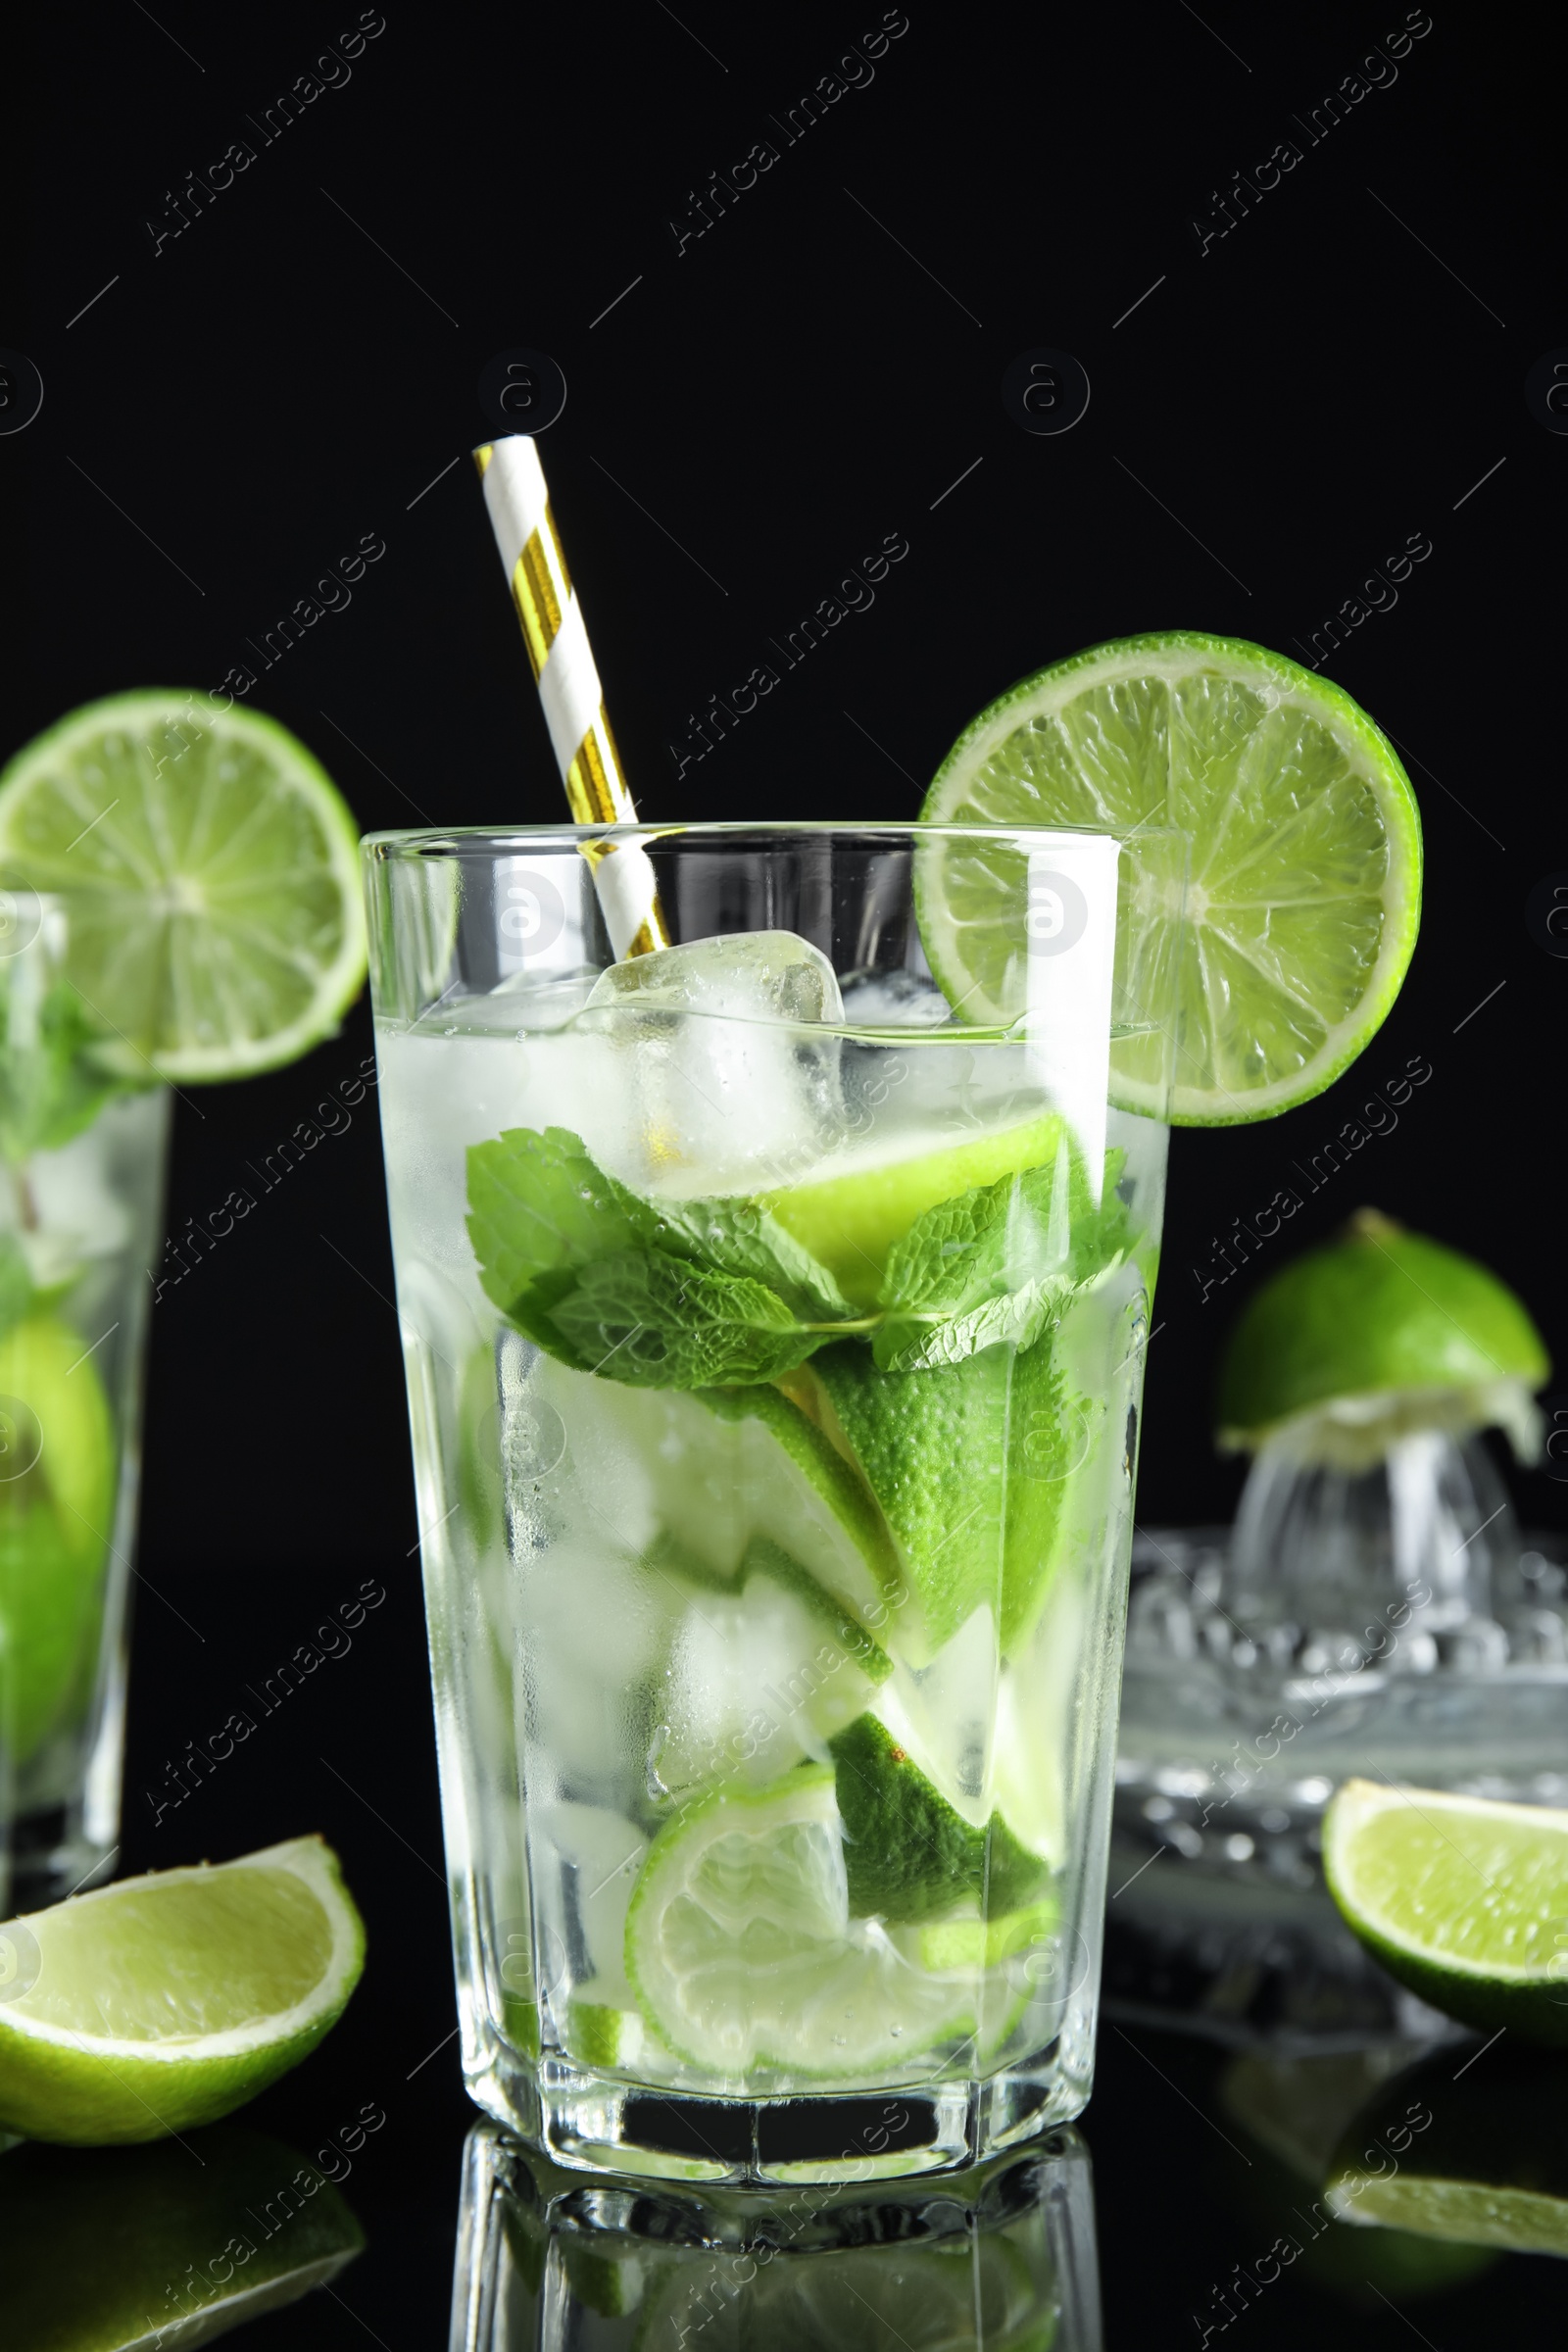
(567, 678)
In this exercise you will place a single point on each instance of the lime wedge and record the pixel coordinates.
(1304, 888)
(742, 1951)
(1462, 1898)
(57, 1504)
(908, 1855)
(110, 2252)
(212, 868)
(849, 1222)
(169, 2000)
(953, 1457)
(1376, 1332)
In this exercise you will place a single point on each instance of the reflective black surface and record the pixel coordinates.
(1195, 2189)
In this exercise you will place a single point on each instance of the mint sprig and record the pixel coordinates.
(716, 1293)
(996, 1266)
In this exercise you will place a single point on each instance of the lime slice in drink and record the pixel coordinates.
(216, 925)
(57, 1506)
(110, 2252)
(741, 1949)
(1305, 878)
(169, 2000)
(849, 1222)
(1462, 1898)
(1377, 1332)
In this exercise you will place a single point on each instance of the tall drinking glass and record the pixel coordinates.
(81, 1188)
(774, 1340)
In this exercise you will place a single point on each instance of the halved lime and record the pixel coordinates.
(1305, 879)
(742, 1951)
(1380, 1330)
(1464, 1898)
(169, 2000)
(213, 875)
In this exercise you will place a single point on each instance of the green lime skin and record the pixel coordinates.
(58, 1474)
(1376, 1310)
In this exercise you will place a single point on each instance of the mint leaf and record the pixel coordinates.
(740, 1237)
(539, 1211)
(677, 1295)
(51, 1088)
(996, 1266)
(656, 1321)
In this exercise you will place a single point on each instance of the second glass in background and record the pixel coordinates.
(82, 1189)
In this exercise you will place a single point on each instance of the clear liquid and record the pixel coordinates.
(595, 1692)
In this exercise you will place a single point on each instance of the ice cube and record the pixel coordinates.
(726, 1088)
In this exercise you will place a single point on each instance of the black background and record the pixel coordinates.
(1270, 418)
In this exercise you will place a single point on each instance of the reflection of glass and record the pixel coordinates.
(774, 1346)
(82, 1173)
(166, 2243)
(999, 2259)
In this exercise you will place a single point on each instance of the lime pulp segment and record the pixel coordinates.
(213, 873)
(1303, 893)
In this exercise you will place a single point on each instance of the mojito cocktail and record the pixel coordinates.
(775, 1343)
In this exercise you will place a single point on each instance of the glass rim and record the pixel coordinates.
(456, 841)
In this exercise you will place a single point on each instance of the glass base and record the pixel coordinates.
(597, 2124)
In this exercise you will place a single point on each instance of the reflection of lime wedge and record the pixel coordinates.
(169, 2000)
(57, 1504)
(741, 1949)
(850, 1222)
(1378, 1330)
(101, 2252)
(213, 877)
(1304, 888)
(1473, 2155)
(1464, 1898)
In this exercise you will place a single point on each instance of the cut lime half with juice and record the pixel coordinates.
(1298, 916)
(211, 870)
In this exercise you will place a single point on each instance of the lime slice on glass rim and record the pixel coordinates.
(1464, 1898)
(169, 2000)
(217, 926)
(1303, 894)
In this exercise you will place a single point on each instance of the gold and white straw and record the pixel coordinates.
(567, 678)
